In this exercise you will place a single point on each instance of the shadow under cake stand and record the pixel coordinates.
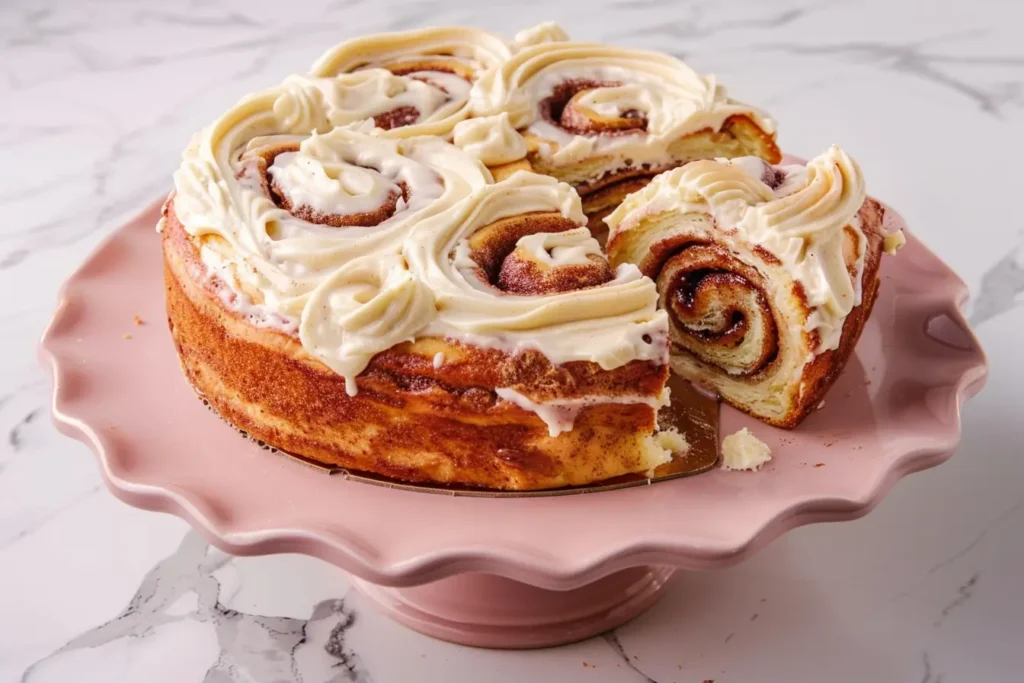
(501, 572)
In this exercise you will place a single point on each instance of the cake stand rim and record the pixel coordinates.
(541, 569)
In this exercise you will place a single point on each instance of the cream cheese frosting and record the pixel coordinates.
(572, 247)
(547, 32)
(801, 221)
(744, 451)
(430, 70)
(674, 100)
(259, 188)
(610, 325)
(491, 139)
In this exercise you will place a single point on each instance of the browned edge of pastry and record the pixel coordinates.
(409, 421)
(823, 371)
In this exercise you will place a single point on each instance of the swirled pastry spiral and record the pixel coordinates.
(411, 82)
(767, 273)
(607, 120)
(379, 302)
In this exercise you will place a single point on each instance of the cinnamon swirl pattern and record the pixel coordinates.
(379, 302)
(607, 120)
(767, 273)
(412, 82)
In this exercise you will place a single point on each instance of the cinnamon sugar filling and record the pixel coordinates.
(562, 108)
(712, 301)
(408, 114)
(501, 265)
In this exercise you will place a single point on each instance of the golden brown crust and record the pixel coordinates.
(410, 420)
(503, 171)
(761, 143)
(820, 374)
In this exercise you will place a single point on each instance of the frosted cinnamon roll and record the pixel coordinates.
(411, 82)
(382, 304)
(607, 120)
(768, 273)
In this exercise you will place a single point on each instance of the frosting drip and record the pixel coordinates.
(802, 215)
(560, 416)
(368, 306)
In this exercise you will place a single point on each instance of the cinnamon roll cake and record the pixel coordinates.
(388, 264)
(381, 303)
(606, 120)
(768, 273)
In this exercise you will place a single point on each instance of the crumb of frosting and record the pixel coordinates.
(894, 242)
(744, 451)
(670, 439)
(821, 405)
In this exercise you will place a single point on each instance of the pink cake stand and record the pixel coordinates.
(510, 572)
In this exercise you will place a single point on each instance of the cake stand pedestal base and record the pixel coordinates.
(485, 610)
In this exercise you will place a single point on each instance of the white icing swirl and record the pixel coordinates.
(572, 247)
(547, 32)
(430, 70)
(804, 228)
(329, 185)
(367, 306)
(802, 221)
(491, 139)
(606, 325)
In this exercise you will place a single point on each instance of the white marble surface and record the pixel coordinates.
(98, 99)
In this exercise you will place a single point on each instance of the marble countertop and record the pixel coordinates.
(100, 97)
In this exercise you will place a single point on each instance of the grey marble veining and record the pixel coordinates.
(921, 59)
(1001, 288)
(252, 648)
(101, 96)
(612, 638)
